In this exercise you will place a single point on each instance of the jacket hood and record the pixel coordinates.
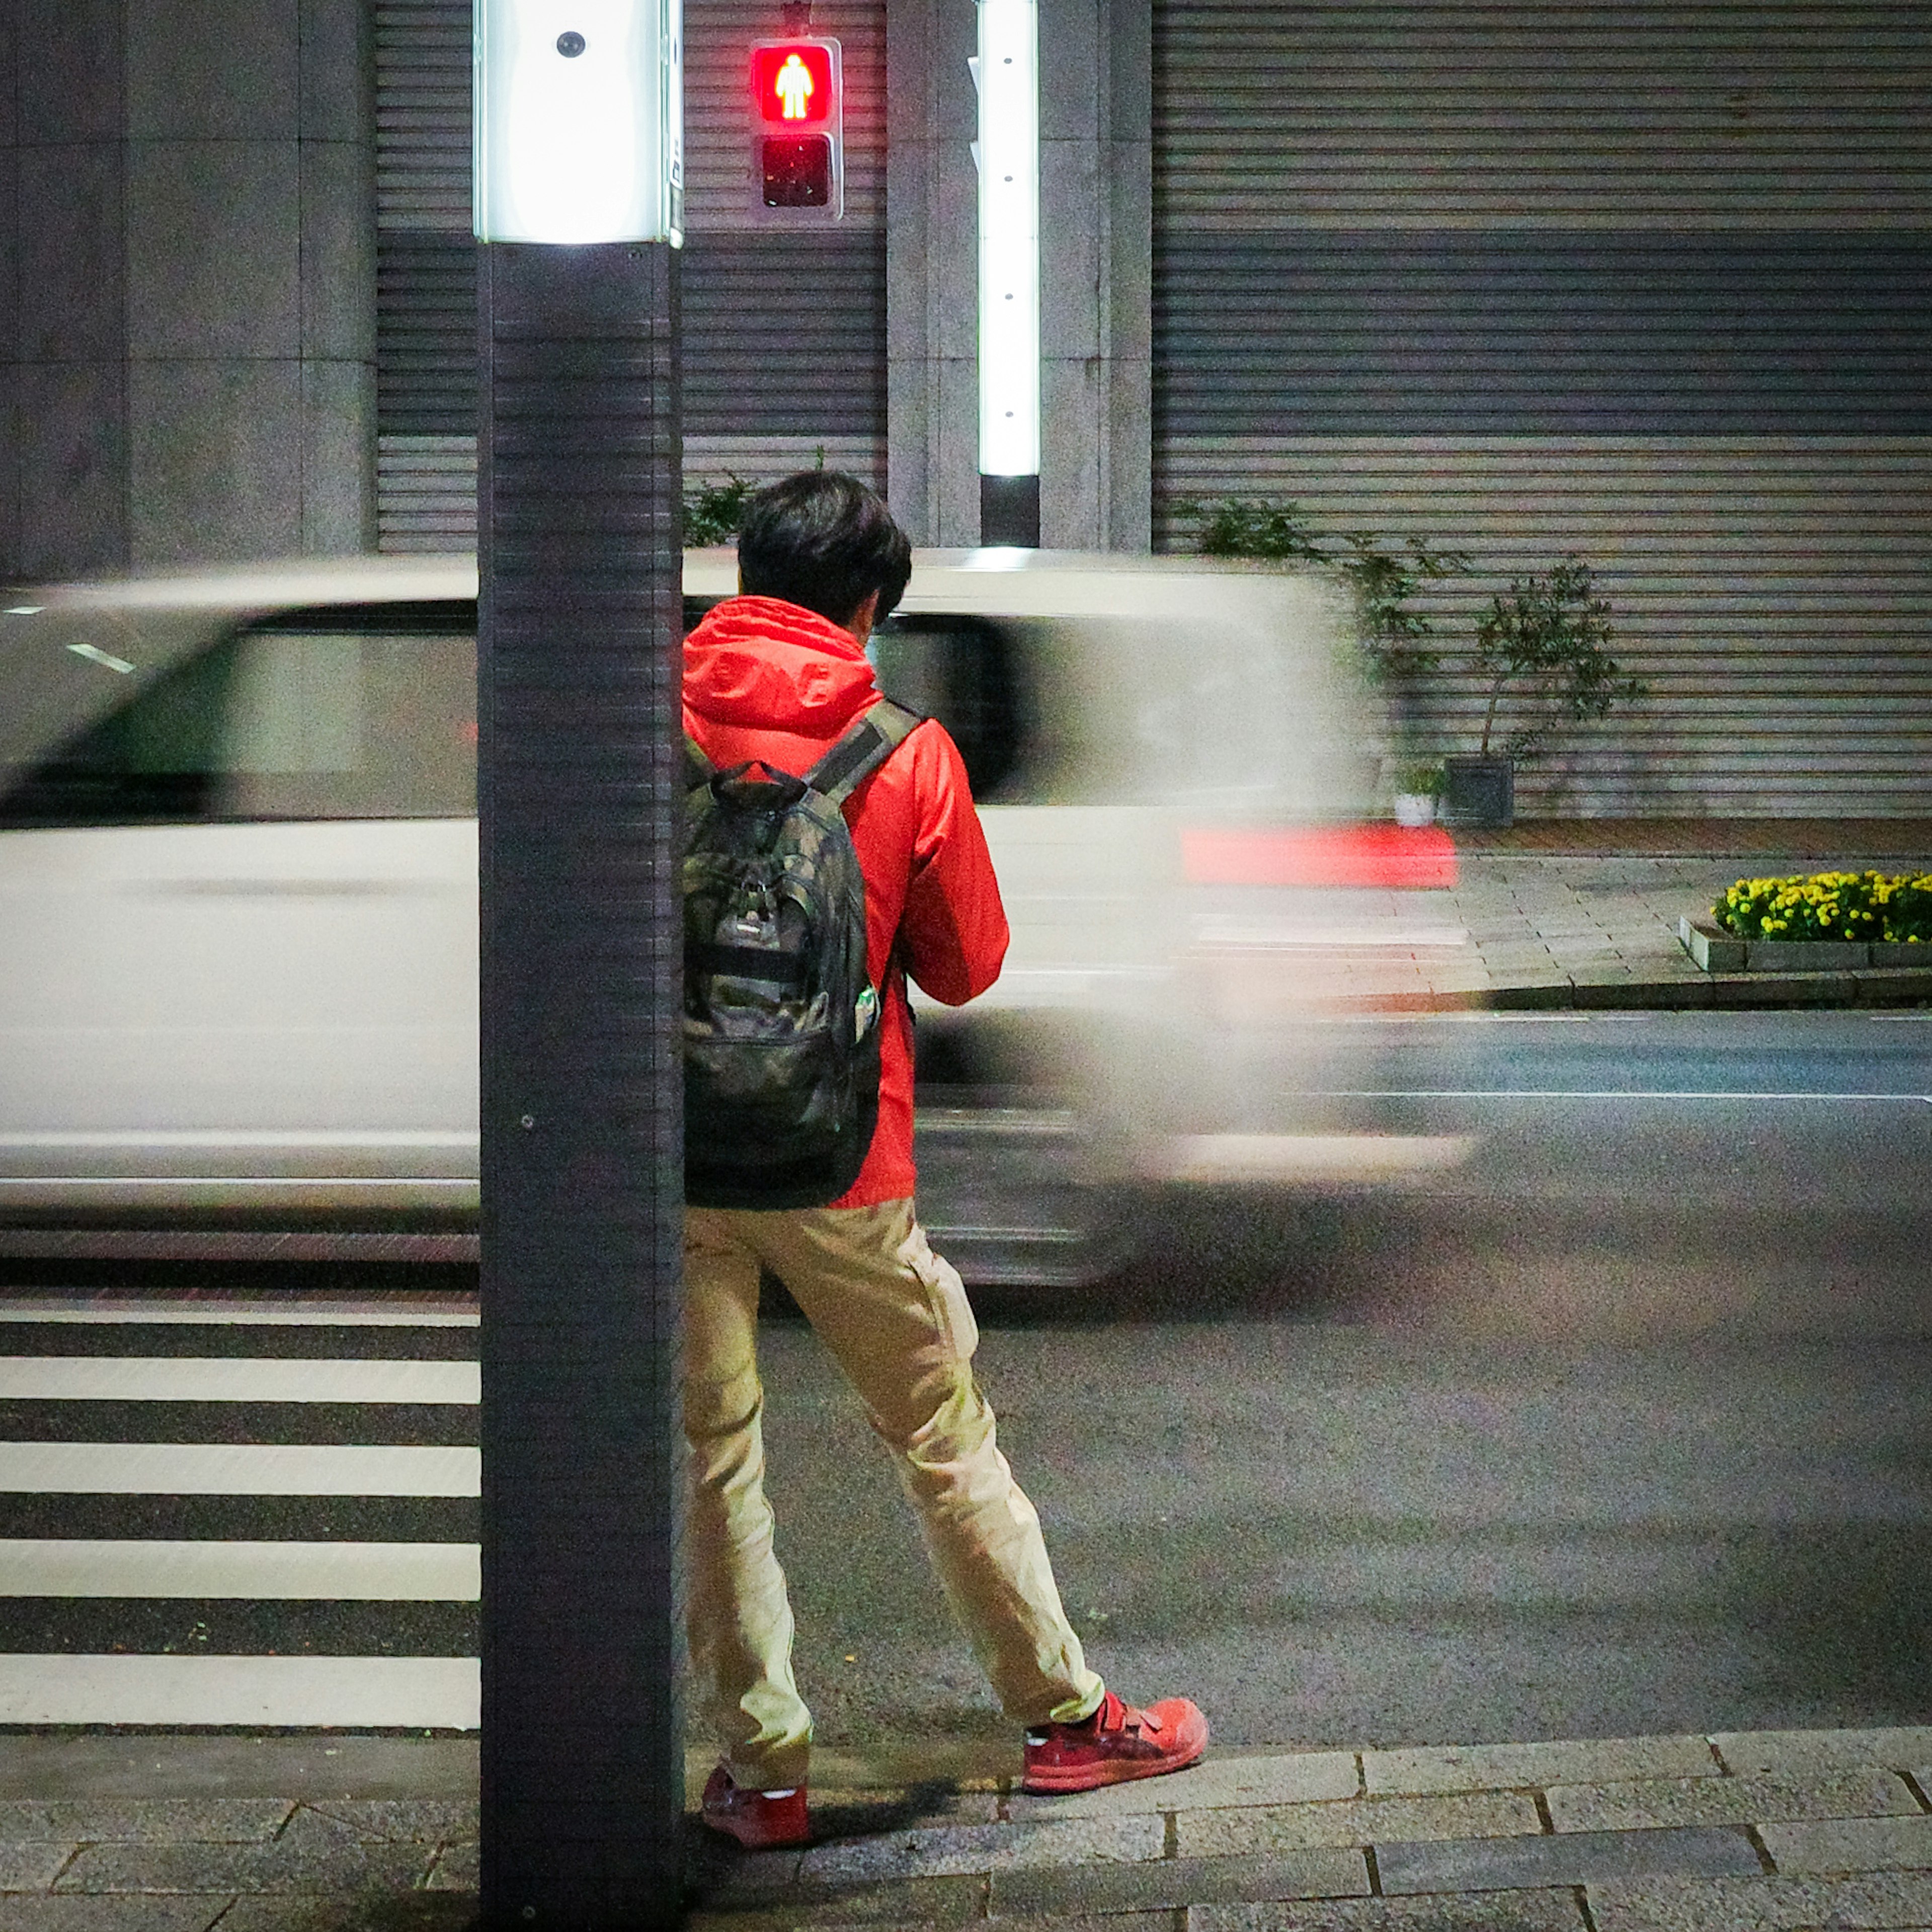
(762, 662)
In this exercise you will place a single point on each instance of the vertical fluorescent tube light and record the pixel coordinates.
(1008, 73)
(579, 121)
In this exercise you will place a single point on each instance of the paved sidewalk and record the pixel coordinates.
(1783, 1830)
(1584, 913)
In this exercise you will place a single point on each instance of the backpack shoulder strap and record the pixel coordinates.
(698, 769)
(861, 752)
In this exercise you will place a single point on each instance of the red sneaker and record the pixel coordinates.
(761, 1821)
(1117, 1743)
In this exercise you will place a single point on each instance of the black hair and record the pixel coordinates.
(821, 539)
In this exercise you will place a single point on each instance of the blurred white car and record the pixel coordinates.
(237, 892)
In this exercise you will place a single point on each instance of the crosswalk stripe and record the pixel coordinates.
(233, 1379)
(447, 1573)
(210, 1469)
(304, 1314)
(346, 1693)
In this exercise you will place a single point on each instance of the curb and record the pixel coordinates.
(1872, 986)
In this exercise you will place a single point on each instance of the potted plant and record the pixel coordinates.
(1541, 644)
(1417, 787)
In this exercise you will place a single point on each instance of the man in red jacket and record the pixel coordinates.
(777, 674)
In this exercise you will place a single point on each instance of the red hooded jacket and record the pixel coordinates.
(766, 679)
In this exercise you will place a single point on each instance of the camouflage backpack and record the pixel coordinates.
(781, 1022)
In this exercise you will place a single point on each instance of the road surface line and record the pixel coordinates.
(1212, 1158)
(224, 1137)
(317, 1314)
(439, 1573)
(233, 1379)
(1583, 1093)
(222, 1469)
(344, 1693)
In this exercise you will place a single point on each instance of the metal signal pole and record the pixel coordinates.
(579, 762)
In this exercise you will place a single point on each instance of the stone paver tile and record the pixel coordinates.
(720, 1874)
(32, 1867)
(404, 1911)
(1489, 1912)
(1575, 1857)
(403, 1821)
(314, 1856)
(1760, 1798)
(1866, 1904)
(919, 1905)
(1165, 1883)
(457, 1868)
(1897, 1749)
(1109, 1922)
(1852, 1845)
(113, 1915)
(152, 1820)
(1506, 1767)
(1360, 1821)
(850, 1813)
(1292, 1778)
(982, 1848)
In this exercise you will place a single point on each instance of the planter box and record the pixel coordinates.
(1717, 951)
(1478, 791)
(1714, 949)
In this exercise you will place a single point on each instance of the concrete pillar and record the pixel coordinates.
(63, 288)
(251, 279)
(1095, 243)
(931, 272)
(192, 220)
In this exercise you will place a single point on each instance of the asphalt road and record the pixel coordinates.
(1622, 1424)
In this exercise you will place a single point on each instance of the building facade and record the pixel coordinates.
(1650, 284)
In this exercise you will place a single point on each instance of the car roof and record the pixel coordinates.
(991, 582)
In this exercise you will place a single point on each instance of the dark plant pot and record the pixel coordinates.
(1478, 791)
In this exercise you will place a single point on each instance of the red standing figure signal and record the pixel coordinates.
(798, 123)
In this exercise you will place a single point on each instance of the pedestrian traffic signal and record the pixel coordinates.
(798, 125)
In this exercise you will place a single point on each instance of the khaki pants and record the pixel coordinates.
(896, 1317)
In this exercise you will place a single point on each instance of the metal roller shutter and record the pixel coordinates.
(784, 333)
(1651, 284)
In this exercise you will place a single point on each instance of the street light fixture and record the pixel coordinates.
(579, 121)
(1007, 74)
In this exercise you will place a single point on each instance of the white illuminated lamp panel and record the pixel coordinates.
(1007, 72)
(798, 131)
(579, 107)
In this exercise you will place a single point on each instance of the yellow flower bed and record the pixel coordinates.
(1892, 906)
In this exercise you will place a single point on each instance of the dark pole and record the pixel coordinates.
(582, 1095)
(1009, 510)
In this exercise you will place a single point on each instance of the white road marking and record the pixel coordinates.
(262, 1183)
(225, 1137)
(219, 1469)
(344, 1693)
(319, 1314)
(439, 1573)
(233, 1379)
(1309, 1157)
(1582, 1093)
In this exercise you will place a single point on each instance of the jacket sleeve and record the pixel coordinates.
(954, 929)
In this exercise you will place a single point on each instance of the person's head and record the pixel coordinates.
(822, 539)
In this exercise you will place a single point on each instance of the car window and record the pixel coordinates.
(362, 711)
(1106, 711)
(965, 672)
